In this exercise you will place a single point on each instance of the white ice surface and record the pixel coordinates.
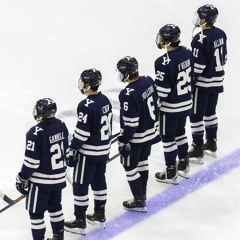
(46, 44)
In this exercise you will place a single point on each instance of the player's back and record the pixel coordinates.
(173, 82)
(209, 58)
(142, 101)
(98, 126)
(45, 154)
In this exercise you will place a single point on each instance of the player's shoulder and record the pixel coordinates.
(218, 29)
(219, 33)
(35, 131)
(60, 124)
(159, 59)
(85, 104)
(146, 81)
(146, 78)
(90, 104)
(127, 93)
(103, 97)
(185, 48)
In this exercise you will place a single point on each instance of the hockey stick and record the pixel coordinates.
(10, 201)
(113, 140)
(113, 157)
(5, 198)
(114, 137)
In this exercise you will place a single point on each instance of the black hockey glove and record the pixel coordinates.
(22, 184)
(71, 159)
(123, 148)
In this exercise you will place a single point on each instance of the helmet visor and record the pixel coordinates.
(120, 76)
(196, 20)
(35, 113)
(159, 41)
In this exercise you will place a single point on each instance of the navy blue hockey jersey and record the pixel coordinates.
(173, 82)
(139, 112)
(93, 130)
(45, 153)
(209, 55)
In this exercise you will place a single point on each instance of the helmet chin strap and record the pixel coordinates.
(165, 46)
(83, 90)
(201, 29)
(126, 78)
(201, 36)
(38, 118)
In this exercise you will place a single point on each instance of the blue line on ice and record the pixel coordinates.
(164, 199)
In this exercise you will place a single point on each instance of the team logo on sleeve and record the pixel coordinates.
(88, 101)
(37, 129)
(129, 90)
(201, 37)
(166, 60)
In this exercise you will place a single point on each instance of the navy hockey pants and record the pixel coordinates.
(38, 202)
(203, 117)
(136, 168)
(174, 139)
(88, 172)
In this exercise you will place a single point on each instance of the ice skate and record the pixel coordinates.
(135, 204)
(210, 148)
(77, 226)
(59, 236)
(183, 167)
(144, 194)
(98, 217)
(169, 175)
(196, 154)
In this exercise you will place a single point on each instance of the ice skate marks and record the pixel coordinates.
(164, 199)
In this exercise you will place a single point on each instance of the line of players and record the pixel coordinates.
(187, 84)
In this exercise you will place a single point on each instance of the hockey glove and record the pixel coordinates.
(71, 159)
(123, 148)
(22, 184)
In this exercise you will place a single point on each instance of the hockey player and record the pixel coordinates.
(138, 128)
(43, 173)
(209, 50)
(89, 152)
(173, 82)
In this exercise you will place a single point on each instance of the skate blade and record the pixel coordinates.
(183, 174)
(96, 223)
(139, 209)
(210, 153)
(198, 161)
(80, 231)
(168, 181)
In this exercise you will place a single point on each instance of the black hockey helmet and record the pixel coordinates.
(89, 78)
(208, 12)
(44, 109)
(170, 33)
(127, 66)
